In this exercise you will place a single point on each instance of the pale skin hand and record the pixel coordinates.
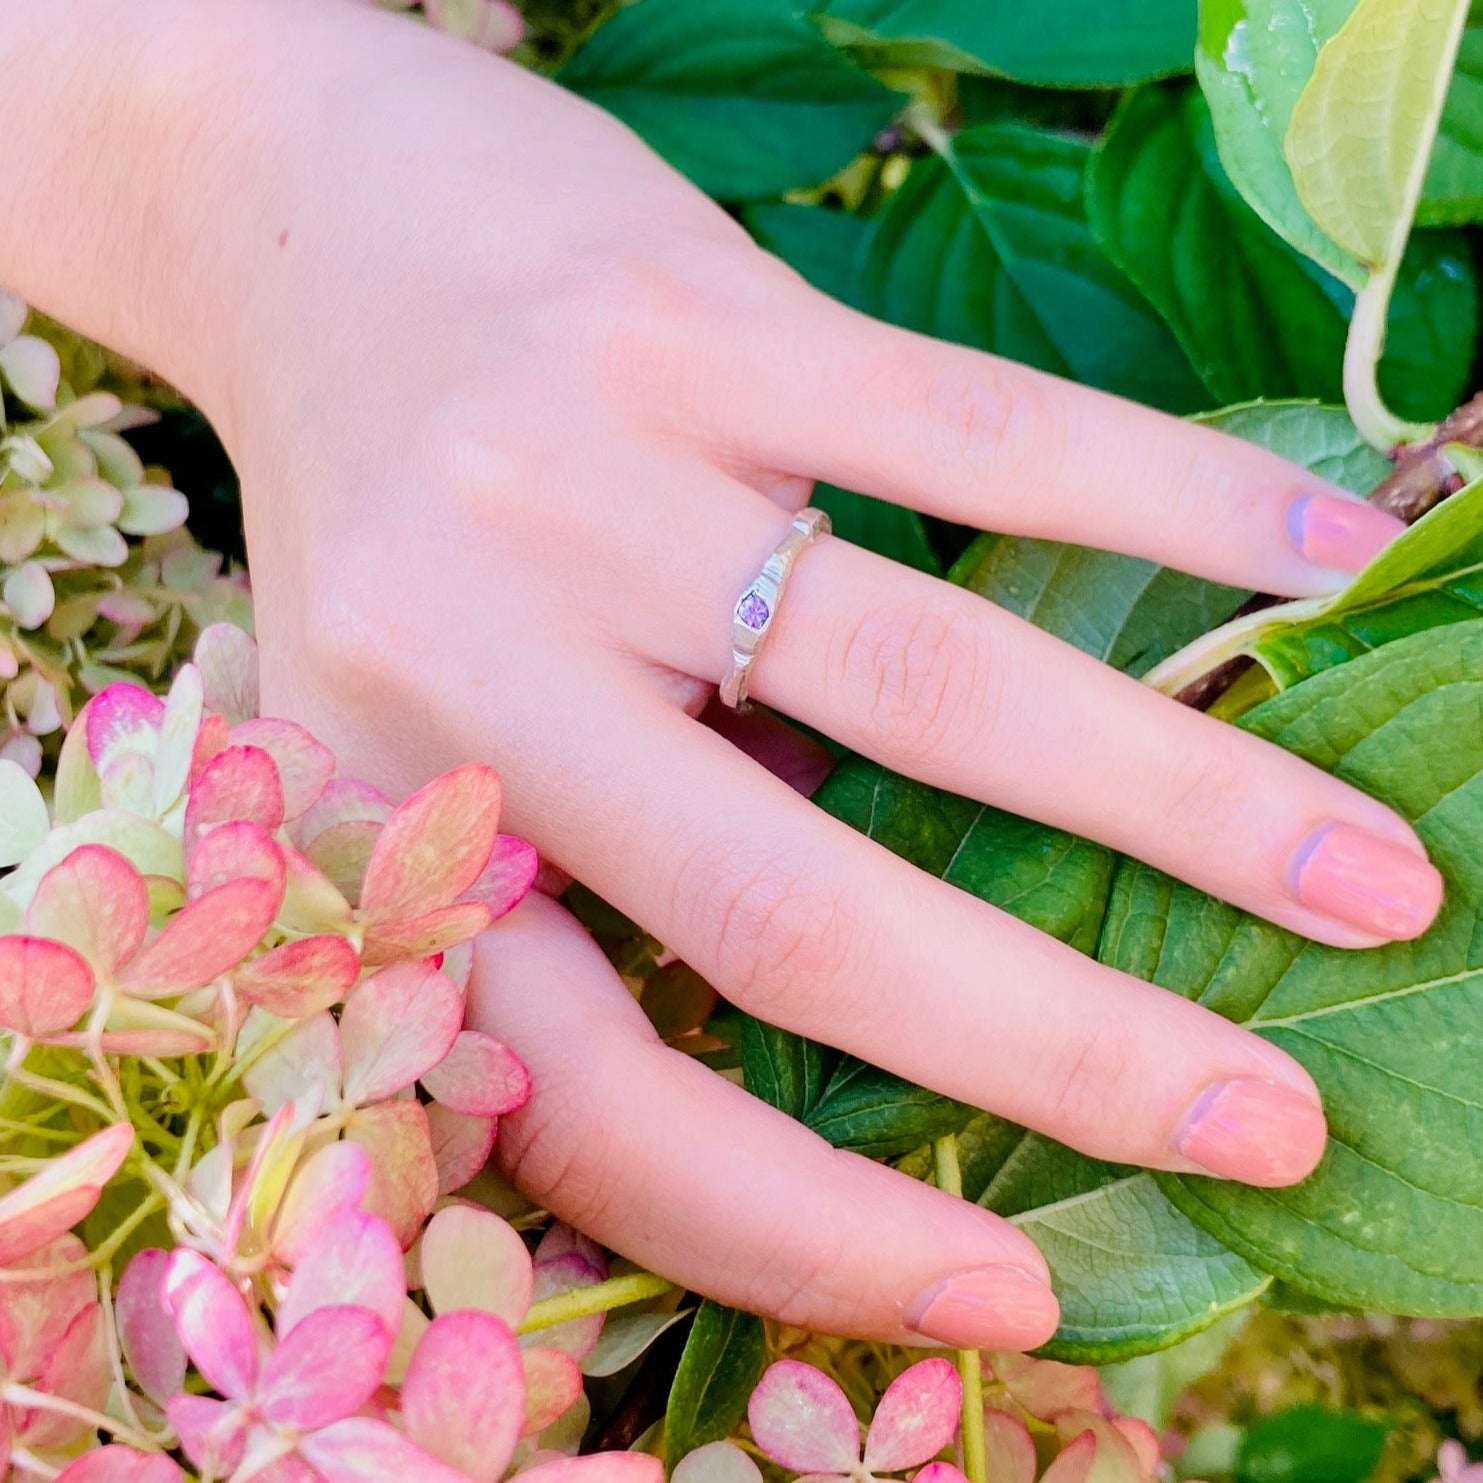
(518, 414)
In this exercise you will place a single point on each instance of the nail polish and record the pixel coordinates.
(1253, 1130)
(1366, 882)
(1339, 533)
(986, 1307)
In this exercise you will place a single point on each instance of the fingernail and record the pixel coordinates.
(1254, 1131)
(1369, 883)
(998, 1307)
(1338, 533)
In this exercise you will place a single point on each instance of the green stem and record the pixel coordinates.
(1375, 421)
(601, 1297)
(22, 1396)
(970, 1364)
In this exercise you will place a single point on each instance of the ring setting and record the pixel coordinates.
(757, 606)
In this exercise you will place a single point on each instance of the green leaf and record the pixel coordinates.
(1133, 613)
(784, 1070)
(1058, 43)
(744, 96)
(1392, 1220)
(872, 1112)
(1453, 192)
(1132, 1274)
(1361, 131)
(819, 243)
(887, 529)
(721, 1365)
(1311, 1444)
(1253, 61)
(990, 247)
(1266, 322)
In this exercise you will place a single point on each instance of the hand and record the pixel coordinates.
(518, 414)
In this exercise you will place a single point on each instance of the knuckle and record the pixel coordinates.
(1083, 1086)
(541, 1151)
(1206, 790)
(972, 414)
(773, 924)
(791, 1271)
(470, 456)
(921, 676)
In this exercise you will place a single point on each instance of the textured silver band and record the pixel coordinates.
(755, 609)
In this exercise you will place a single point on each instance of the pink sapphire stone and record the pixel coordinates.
(753, 612)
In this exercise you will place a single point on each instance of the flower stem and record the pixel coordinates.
(23, 1396)
(970, 1365)
(601, 1297)
(1376, 422)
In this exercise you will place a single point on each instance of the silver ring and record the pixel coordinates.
(755, 609)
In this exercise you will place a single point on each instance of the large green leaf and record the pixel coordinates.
(1060, 43)
(1311, 1444)
(1133, 613)
(1429, 576)
(721, 1364)
(1254, 59)
(1393, 1217)
(990, 247)
(1132, 1274)
(744, 96)
(1255, 317)
(1453, 192)
(1361, 131)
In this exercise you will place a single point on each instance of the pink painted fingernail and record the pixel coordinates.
(999, 1307)
(1254, 1131)
(1367, 882)
(1339, 533)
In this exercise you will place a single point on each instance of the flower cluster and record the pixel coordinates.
(80, 604)
(239, 1098)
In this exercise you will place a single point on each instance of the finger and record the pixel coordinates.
(933, 681)
(811, 926)
(672, 1166)
(952, 432)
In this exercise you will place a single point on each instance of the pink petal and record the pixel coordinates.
(326, 1369)
(553, 1381)
(562, 1240)
(34, 370)
(53, 1201)
(239, 783)
(461, 1145)
(802, 1420)
(1010, 1448)
(943, 1472)
(227, 659)
(146, 1330)
(179, 731)
(115, 1464)
(343, 851)
(404, 1173)
(331, 1182)
(213, 1322)
(205, 939)
(916, 1418)
(718, 1462)
(305, 766)
(600, 1467)
(1144, 1441)
(344, 800)
(305, 1061)
(123, 718)
(300, 978)
(95, 901)
(463, 1398)
(1114, 1458)
(578, 1337)
(434, 846)
(213, 1434)
(78, 1370)
(312, 903)
(28, 593)
(356, 1261)
(425, 936)
(399, 1023)
(45, 987)
(479, 1077)
(507, 876)
(240, 850)
(363, 1450)
(1045, 1387)
(34, 1315)
(473, 1259)
(1075, 1463)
